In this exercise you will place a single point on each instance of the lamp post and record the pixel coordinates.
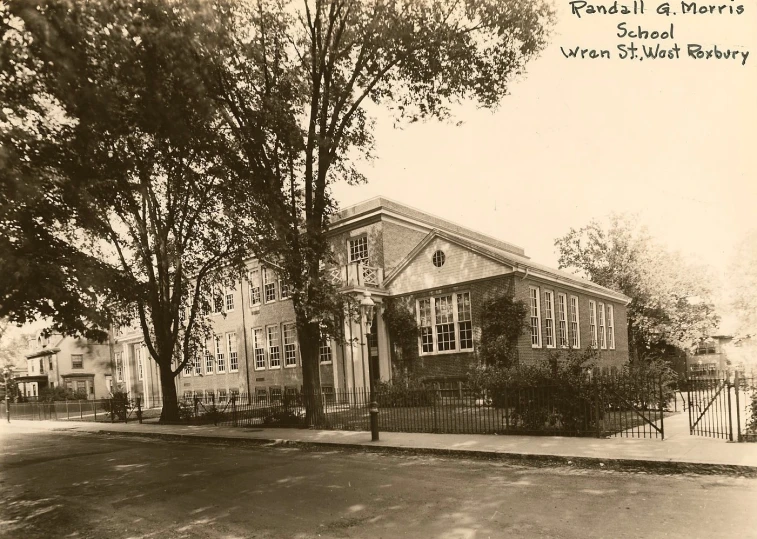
(367, 308)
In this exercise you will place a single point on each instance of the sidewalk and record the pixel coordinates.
(679, 452)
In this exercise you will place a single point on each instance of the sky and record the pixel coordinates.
(672, 141)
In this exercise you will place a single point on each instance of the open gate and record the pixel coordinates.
(710, 406)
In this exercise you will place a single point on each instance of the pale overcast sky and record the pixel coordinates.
(671, 140)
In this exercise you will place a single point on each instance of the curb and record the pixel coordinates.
(523, 459)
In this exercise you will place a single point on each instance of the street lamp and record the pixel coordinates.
(367, 307)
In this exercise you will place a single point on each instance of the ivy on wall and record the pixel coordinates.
(503, 321)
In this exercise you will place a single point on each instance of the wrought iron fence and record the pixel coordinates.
(604, 406)
(96, 410)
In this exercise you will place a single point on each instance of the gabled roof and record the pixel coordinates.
(517, 262)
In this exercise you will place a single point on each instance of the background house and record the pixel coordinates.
(73, 363)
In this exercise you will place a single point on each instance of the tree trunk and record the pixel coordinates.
(170, 412)
(309, 334)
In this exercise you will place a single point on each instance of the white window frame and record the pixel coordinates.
(290, 348)
(283, 289)
(270, 345)
(119, 367)
(266, 282)
(601, 325)
(198, 367)
(550, 340)
(223, 396)
(232, 351)
(363, 238)
(563, 339)
(259, 345)
(217, 294)
(229, 300)
(575, 323)
(210, 359)
(324, 351)
(188, 368)
(534, 304)
(220, 356)
(456, 323)
(593, 322)
(611, 327)
(256, 291)
(140, 363)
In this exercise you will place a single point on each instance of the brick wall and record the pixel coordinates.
(455, 365)
(607, 357)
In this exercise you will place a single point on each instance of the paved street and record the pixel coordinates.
(94, 486)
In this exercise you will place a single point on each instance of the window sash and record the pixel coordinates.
(274, 352)
(209, 362)
(220, 356)
(77, 362)
(602, 334)
(229, 300)
(231, 348)
(549, 319)
(445, 323)
(535, 318)
(254, 281)
(359, 249)
(290, 345)
(269, 286)
(562, 321)
(593, 323)
(258, 348)
(611, 327)
(575, 323)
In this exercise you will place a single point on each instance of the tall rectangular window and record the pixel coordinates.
(602, 333)
(274, 353)
(217, 301)
(119, 367)
(445, 323)
(77, 362)
(198, 366)
(188, 369)
(269, 285)
(209, 362)
(575, 327)
(258, 346)
(427, 334)
(549, 319)
(231, 348)
(562, 321)
(222, 396)
(593, 323)
(140, 366)
(611, 327)
(290, 345)
(535, 317)
(324, 350)
(464, 322)
(220, 356)
(359, 249)
(284, 288)
(229, 300)
(254, 279)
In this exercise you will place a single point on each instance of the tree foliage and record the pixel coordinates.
(742, 284)
(294, 81)
(117, 189)
(671, 299)
(503, 320)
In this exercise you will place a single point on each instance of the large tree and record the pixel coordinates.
(294, 82)
(113, 167)
(671, 299)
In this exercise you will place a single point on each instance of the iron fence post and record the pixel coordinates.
(68, 417)
(662, 410)
(110, 406)
(213, 407)
(139, 410)
(737, 384)
(81, 412)
(234, 410)
(94, 408)
(730, 420)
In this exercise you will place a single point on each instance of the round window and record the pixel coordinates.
(438, 259)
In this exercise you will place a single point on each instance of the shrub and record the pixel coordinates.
(117, 407)
(59, 393)
(503, 320)
(403, 391)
